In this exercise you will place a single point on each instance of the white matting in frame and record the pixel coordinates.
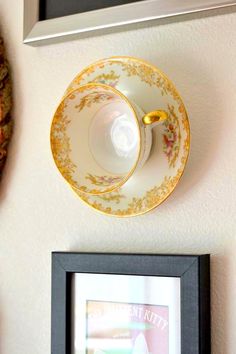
(125, 314)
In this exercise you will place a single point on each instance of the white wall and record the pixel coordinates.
(39, 214)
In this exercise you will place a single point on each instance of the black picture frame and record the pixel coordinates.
(193, 271)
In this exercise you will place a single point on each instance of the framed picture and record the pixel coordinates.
(48, 21)
(130, 304)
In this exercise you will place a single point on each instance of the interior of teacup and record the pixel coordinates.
(95, 138)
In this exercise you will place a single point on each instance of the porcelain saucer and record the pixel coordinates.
(151, 89)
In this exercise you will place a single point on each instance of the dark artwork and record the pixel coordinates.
(57, 8)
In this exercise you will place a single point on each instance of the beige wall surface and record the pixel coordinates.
(39, 213)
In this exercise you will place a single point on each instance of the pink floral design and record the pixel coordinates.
(103, 180)
(110, 78)
(171, 138)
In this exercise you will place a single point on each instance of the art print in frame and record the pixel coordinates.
(126, 328)
(50, 21)
(130, 304)
(125, 314)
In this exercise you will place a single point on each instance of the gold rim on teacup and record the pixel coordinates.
(62, 153)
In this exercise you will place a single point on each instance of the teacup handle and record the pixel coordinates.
(154, 117)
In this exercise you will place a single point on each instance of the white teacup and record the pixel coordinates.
(104, 138)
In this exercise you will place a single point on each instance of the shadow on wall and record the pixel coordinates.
(205, 109)
(222, 302)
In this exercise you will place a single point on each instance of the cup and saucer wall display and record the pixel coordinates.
(120, 136)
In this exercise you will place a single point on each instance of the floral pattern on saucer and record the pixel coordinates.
(151, 89)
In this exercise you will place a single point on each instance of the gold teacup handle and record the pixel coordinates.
(154, 117)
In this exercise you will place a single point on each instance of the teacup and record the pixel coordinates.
(99, 138)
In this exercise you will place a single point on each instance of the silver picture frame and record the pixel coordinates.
(88, 23)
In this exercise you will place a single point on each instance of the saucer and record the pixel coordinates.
(143, 83)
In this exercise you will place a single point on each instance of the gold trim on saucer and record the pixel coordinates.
(157, 194)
